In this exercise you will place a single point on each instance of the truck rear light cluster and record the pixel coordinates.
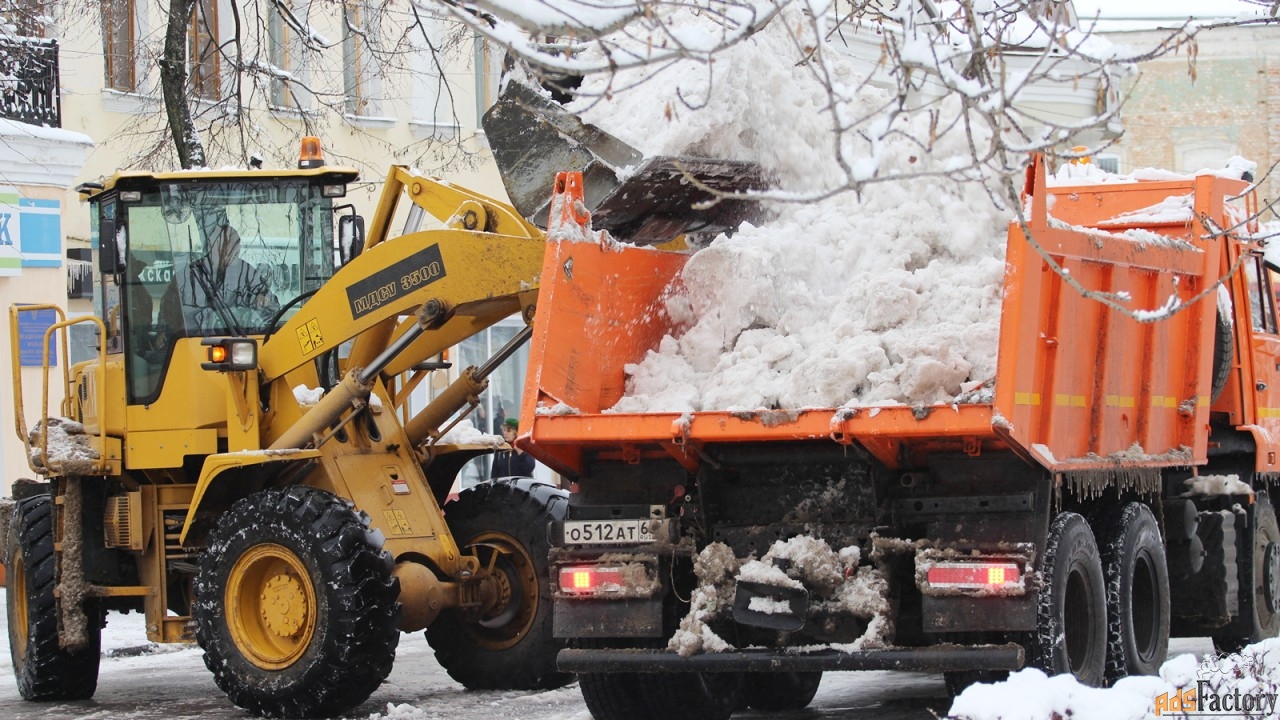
(590, 579)
(975, 575)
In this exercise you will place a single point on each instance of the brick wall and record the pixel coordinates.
(1230, 107)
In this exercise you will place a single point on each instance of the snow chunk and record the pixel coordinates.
(1216, 485)
(307, 396)
(66, 444)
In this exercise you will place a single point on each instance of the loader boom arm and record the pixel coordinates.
(483, 267)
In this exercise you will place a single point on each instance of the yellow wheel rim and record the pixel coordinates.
(270, 606)
(18, 601)
(509, 621)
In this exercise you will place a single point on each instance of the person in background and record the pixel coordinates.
(513, 462)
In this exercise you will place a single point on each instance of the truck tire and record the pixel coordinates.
(1137, 592)
(691, 696)
(43, 670)
(296, 605)
(1071, 617)
(614, 696)
(1223, 355)
(1259, 585)
(775, 691)
(512, 648)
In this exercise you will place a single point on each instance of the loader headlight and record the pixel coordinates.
(230, 354)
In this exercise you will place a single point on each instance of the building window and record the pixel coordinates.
(435, 46)
(1108, 163)
(488, 65)
(117, 44)
(203, 50)
(280, 41)
(22, 17)
(355, 55)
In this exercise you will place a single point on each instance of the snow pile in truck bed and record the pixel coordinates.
(1254, 673)
(890, 298)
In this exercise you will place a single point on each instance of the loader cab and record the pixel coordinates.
(195, 254)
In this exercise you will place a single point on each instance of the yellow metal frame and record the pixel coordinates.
(104, 463)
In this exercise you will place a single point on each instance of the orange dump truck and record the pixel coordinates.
(1112, 491)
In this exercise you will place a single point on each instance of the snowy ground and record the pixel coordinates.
(143, 681)
(171, 682)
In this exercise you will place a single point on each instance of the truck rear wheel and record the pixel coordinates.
(1137, 578)
(692, 696)
(43, 670)
(505, 523)
(781, 690)
(1259, 585)
(1071, 618)
(288, 573)
(614, 696)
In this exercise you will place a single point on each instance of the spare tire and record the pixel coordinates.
(1223, 354)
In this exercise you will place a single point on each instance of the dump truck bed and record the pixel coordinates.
(1080, 385)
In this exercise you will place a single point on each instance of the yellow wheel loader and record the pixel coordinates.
(240, 462)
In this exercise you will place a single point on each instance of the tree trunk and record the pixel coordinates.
(173, 85)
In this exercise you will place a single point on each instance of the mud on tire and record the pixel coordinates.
(43, 670)
(513, 648)
(316, 631)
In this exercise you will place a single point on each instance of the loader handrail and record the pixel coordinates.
(20, 426)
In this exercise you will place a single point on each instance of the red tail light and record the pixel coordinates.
(975, 575)
(590, 579)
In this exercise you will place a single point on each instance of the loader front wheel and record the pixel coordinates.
(43, 669)
(510, 646)
(296, 605)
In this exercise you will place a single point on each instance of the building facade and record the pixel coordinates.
(1197, 108)
(80, 98)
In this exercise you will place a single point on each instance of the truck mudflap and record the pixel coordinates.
(937, 658)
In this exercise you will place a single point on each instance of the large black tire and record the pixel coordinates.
(1071, 617)
(614, 696)
(669, 696)
(691, 696)
(44, 671)
(781, 690)
(512, 647)
(1137, 578)
(1259, 584)
(296, 604)
(1223, 355)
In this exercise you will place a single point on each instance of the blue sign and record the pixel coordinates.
(31, 327)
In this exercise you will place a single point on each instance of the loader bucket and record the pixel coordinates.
(641, 200)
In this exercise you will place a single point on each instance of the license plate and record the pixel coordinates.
(607, 532)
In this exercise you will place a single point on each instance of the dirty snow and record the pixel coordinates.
(61, 444)
(838, 584)
(1216, 485)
